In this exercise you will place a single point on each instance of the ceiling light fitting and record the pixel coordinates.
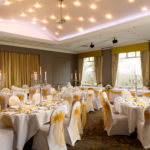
(61, 20)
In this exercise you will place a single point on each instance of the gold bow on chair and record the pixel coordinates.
(45, 93)
(20, 96)
(59, 130)
(68, 99)
(76, 97)
(76, 125)
(2, 99)
(31, 92)
(147, 115)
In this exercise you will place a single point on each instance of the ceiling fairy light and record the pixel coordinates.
(61, 20)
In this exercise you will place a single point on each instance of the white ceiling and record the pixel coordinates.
(129, 24)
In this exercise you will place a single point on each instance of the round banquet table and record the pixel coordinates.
(25, 125)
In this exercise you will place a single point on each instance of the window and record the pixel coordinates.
(129, 70)
(88, 74)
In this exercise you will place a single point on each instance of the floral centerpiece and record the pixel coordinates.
(108, 87)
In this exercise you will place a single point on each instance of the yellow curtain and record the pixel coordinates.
(114, 68)
(145, 67)
(98, 69)
(80, 68)
(18, 67)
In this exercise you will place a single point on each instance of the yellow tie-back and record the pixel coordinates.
(91, 89)
(7, 121)
(96, 91)
(90, 95)
(68, 99)
(115, 92)
(76, 97)
(146, 94)
(58, 119)
(83, 108)
(133, 94)
(45, 92)
(2, 98)
(20, 96)
(77, 111)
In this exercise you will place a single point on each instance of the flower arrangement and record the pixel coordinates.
(108, 87)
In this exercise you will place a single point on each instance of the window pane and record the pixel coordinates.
(88, 75)
(138, 54)
(122, 55)
(131, 54)
(128, 70)
(91, 58)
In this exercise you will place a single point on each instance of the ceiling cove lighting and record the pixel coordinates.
(107, 25)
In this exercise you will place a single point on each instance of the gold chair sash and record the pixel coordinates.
(76, 97)
(59, 130)
(146, 94)
(76, 125)
(2, 98)
(68, 99)
(139, 95)
(31, 92)
(20, 96)
(83, 108)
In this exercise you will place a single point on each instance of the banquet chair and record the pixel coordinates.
(36, 98)
(143, 129)
(89, 97)
(51, 136)
(73, 128)
(115, 124)
(69, 99)
(147, 94)
(5, 90)
(3, 103)
(97, 101)
(113, 94)
(13, 100)
(6, 137)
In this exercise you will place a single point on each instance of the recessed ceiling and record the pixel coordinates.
(37, 19)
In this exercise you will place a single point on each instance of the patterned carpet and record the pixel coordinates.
(95, 138)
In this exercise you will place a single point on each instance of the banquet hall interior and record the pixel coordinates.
(74, 74)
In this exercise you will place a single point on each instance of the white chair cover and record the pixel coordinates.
(116, 124)
(143, 129)
(6, 139)
(89, 97)
(73, 128)
(5, 90)
(36, 98)
(13, 100)
(51, 137)
(69, 99)
(113, 95)
(97, 101)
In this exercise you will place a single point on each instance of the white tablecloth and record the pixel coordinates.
(25, 125)
(133, 111)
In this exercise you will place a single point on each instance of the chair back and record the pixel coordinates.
(113, 94)
(56, 136)
(36, 98)
(83, 113)
(5, 90)
(13, 100)
(75, 121)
